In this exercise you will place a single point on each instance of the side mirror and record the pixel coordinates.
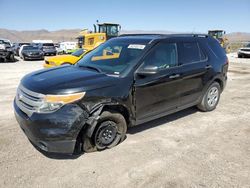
(148, 70)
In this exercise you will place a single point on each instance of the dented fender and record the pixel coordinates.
(96, 108)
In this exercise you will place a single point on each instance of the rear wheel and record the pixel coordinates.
(211, 98)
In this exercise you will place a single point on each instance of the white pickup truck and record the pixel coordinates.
(6, 51)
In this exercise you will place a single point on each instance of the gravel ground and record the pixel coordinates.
(186, 149)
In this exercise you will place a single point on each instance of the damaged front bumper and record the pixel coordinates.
(55, 132)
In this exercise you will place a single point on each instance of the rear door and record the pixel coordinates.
(194, 66)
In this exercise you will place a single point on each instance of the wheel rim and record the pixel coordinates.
(212, 97)
(106, 134)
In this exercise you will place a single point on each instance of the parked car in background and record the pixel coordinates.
(68, 47)
(58, 60)
(244, 52)
(21, 49)
(47, 48)
(31, 52)
(6, 51)
(89, 106)
(17, 46)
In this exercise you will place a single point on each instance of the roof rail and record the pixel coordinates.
(140, 34)
(172, 34)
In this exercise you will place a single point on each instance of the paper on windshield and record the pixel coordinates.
(137, 46)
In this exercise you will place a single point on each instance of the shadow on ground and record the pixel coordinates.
(4, 61)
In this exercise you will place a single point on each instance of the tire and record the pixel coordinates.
(12, 58)
(110, 130)
(239, 56)
(210, 98)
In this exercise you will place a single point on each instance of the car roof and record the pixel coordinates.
(161, 36)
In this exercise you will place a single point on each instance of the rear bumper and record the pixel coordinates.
(55, 132)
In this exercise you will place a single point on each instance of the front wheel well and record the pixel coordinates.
(120, 109)
(112, 108)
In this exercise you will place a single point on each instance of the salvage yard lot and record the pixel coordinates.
(186, 149)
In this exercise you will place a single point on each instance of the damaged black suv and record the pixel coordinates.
(124, 82)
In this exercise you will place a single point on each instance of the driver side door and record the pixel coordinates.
(157, 94)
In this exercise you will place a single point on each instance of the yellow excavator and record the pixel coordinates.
(88, 40)
(220, 36)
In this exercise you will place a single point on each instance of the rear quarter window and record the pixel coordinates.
(216, 48)
(189, 52)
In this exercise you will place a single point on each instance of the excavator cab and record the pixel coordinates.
(218, 34)
(91, 39)
(111, 30)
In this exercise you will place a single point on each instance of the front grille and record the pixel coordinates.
(35, 53)
(28, 101)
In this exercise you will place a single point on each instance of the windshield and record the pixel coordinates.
(113, 57)
(78, 53)
(248, 45)
(4, 42)
(48, 44)
(30, 48)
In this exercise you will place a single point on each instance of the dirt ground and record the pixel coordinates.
(186, 149)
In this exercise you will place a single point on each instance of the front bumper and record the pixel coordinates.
(48, 65)
(3, 54)
(53, 132)
(33, 56)
(49, 52)
(244, 53)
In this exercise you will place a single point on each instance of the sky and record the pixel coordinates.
(172, 15)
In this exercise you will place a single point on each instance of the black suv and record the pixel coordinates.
(124, 82)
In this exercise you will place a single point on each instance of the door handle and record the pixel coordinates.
(174, 76)
(208, 67)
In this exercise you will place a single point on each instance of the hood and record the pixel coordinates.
(66, 79)
(62, 58)
(35, 50)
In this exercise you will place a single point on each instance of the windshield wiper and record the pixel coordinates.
(92, 68)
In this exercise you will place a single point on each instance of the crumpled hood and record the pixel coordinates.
(66, 79)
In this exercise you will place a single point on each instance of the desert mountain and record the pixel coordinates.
(71, 34)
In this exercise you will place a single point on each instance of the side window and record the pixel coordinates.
(189, 52)
(163, 56)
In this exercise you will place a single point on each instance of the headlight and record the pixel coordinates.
(52, 103)
(52, 63)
